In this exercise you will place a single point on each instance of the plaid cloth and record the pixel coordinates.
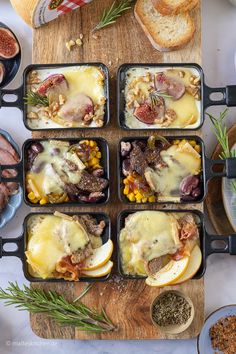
(69, 5)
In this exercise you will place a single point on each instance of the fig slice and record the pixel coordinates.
(2, 72)
(76, 108)
(53, 86)
(9, 46)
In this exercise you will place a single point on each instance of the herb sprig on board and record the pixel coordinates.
(34, 99)
(220, 131)
(57, 307)
(110, 15)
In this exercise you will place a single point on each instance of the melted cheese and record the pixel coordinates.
(147, 235)
(88, 80)
(55, 171)
(187, 108)
(50, 240)
(181, 161)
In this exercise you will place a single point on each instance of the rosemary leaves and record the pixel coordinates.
(33, 99)
(57, 307)
(110, 15)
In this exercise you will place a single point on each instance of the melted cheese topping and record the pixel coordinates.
(147, 235)
(55, 171)
(187, 108)
(182, 160)
(88, 80)
(51, 239)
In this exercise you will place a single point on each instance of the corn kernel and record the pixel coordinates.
(92, 143)
(67, 199)
(176, 142)
(94, 161)
(152, 199)
(43, 201)
(98, 155)
(93, 153)
(31, 196)
(97, 148)
(35, 201)
(144, 200)
(193, 143)
(126, 190)
(130, 178)
(126, 181)
(135, 190)
(197, 148)
(139, 196)
(131, 197)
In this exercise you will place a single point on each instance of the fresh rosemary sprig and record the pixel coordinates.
(155, 97)
(57, 307)
(33, 99)
(220, 131)
(110, 15)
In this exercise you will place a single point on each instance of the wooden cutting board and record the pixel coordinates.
(126, 302)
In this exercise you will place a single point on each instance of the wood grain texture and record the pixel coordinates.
(126, 302)
(214, 200)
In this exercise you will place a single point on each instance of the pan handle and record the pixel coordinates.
(18, 241)
(19, 169)
(18, 93)
(228, 93)
(228, 244)
(229, 168)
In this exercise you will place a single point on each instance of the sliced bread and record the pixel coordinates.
(174, 7)
(166, 33)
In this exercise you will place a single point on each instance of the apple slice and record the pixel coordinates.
(195, 262)
(100, 272)
(99, 257)
(170, 273)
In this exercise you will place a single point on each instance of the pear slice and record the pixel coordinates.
(99, 257)
(170, 273)
(195, 262)
(100, 272)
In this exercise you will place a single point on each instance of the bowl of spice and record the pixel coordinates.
(172, 312)
(218, 334)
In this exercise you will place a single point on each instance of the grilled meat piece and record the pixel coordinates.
(125, 148)
(91, 224)
(98, 173)
(91, 183)
(188, 228)
(126, 167)
(92, 197)
(80, 255)
(5, 145)
(137, 160)
(153, 266)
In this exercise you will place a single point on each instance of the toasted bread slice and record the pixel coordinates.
(174, 7)
(166, 33)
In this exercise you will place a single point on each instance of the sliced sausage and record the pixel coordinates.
(5, 145)
(4, 195)
(76, 108)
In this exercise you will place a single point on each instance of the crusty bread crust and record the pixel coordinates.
(166, 8)
(156, 41)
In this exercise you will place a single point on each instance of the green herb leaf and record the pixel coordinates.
(57, 307)
(110, 15)
(220, 131)
(155, 97)
(34, 99)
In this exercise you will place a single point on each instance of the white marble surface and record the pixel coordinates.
(16, 336)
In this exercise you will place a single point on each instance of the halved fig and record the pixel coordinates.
(2, 72)
(53, 86)
(9, 46)
(169, 85)
(145, 114)
(76, 108)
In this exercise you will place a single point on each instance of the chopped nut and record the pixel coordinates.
(196, 81)
(32, 115)
(110, 63)
(81, 36)
(79, 42)
(99, 123)
(192, 78)
(68, 46)
(88, 117)
(62, 99)
(181, 74)
(170, 116)
(192, 90)
(95, 36)
(71, 43)
(136, 104)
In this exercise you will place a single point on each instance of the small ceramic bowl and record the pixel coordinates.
(15, 200)
(204, 341)
(173, 329)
